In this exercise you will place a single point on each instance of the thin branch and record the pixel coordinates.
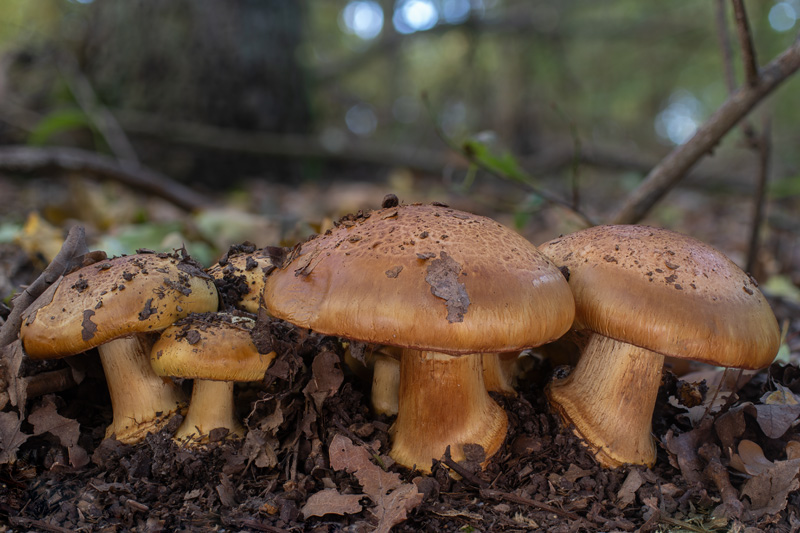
(675, 166)
(99, 115)
(725, 44)
(746, 43)
(764, 151)
(74, 246)
(26, 159)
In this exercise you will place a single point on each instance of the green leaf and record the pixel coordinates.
(785, 187)
(57, 122)
(499, 161)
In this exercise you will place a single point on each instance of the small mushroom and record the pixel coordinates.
(215, 350)
(500, 372)
(444, 286)
(239, 276)
(117, 305)
(642, 293)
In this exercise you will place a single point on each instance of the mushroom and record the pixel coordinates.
(116, 305)
(500, 372)
(239, 276)
(644, 293)
(443, 285)
(380, 365)
(216, 350)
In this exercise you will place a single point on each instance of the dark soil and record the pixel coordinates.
(542, 478)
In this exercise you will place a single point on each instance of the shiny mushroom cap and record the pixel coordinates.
(668, 293)
(426, 277)
(211, 346)
(114, 298)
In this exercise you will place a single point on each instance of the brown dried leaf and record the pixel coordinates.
(729, 426)
(769, 490)
(393, 498)
(574, 473)
(443, 277)
(226, 491)
(750, 459)
(627, 493)
(330, 501)
(11, 437)
(683, 450)
(326, 378)
(45, 419)
(778, 412)
(260, 449)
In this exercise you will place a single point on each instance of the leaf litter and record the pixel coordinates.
(314, 459)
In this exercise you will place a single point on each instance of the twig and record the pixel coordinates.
(98, 114)
(725, 45)
(26, 159)
(746, 43)
(764, 145)
(74, 246)
(511, 497)
(461, 471)
(49, 382)
(30, 524)
(254, 524)
(675, 166)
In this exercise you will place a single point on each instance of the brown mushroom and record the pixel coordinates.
(215, 350)
(644, 293)
(443, 285)
(115, 305)
(239, 276)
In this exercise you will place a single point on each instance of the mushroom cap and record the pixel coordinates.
(668, 293)
(210, 346)
(426, 277)
(240, 278)
(114, 298)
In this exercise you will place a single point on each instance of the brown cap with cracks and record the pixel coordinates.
(425, 277)
(239, 275)
(114, 298)
(212, 346)
(668, 293)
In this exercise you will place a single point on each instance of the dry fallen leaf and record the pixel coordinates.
(392, 497)
(750, 458)
(330, 501)
(11, 436)
(627, 493)
(769, 490)
(326, 378)
(45, 419)
(260, 449)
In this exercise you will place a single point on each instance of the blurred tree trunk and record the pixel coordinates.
(230, 64)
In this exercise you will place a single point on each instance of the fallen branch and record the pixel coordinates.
(74, 246)
(675, 166)
(508, 496)
(26, 159)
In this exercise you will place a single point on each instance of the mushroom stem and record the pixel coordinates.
(499, 372)
(212, 407)
(142, 401)
(385, 384)
(609, 399)
(443, 401)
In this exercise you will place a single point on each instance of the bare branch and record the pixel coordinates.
(675, 166)
(746, 43)
(764, 151)
(74, 246)
(98, 114)
(26, 159)
(725, 45)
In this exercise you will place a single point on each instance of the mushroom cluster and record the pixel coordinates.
(117, 305)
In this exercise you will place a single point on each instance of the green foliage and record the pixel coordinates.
(785, 187)
(497, 161)
(56, 122)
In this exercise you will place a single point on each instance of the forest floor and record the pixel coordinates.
(315, 457)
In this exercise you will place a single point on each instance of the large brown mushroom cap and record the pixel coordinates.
(212, 346)
(114, 298)
(425, 277)
(668, 293)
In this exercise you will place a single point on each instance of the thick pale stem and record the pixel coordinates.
(443, 401)
(385, 384)
(212, 407)
(609, 399)
(142, 401)
(500, 372)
